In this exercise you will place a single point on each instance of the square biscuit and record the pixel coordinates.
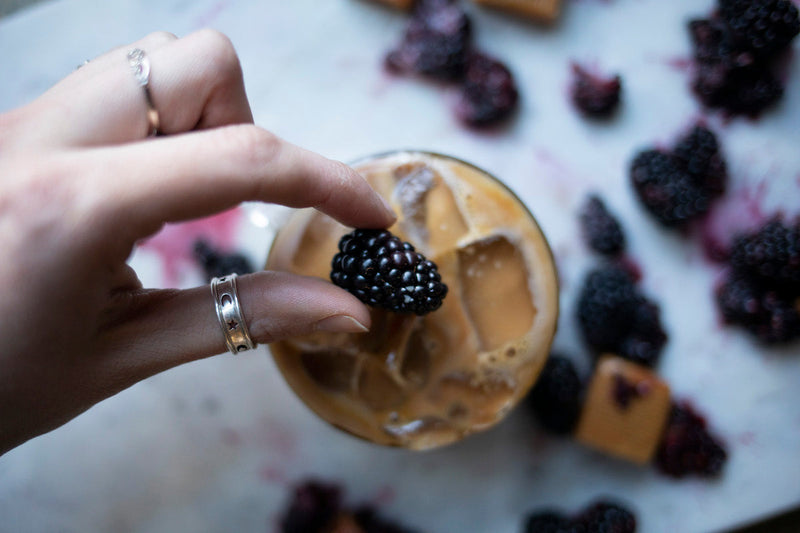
(545, 10)
(625, 411)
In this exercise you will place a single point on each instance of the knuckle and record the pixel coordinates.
(158, 38)
(220, 53)
(255, 147)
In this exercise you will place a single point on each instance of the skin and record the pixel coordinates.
(82, 183)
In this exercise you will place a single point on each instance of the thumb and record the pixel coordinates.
(171, 327)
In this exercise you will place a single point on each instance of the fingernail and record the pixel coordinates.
(340, 324)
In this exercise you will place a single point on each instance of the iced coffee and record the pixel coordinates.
(425, 381)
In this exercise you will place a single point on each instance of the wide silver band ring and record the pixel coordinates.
(140, 66)
(229, 314)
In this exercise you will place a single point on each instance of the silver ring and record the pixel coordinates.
(140, 66)
(229, 314)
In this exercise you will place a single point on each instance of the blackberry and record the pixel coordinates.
(739, 301)
(647, 338)
(668, 192)
(687, 447)
(436, 41)
(771, 316)
(370, 521)
(607, 307)
(383, 271)
(605, 517)
(727, 76)
(547, 521)
(601, 230)
(557, 396)
(594, 95)
(217, 264)
(762, 26)
(314, 505)
(699, 154)
(488, 93)
(771, 255)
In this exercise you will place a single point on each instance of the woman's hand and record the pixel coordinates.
(81, 183)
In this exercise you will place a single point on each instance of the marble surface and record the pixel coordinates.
(214, 445)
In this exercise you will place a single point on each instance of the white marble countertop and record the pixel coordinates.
(212, 446)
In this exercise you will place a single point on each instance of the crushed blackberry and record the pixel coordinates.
(699, 154)
(763, 26)
(687, 448)
(602, 516)
(605, 517)
(646, 339)
(728, 76)
(557, 396)
(600, 228)
(383, 271)
(488, 93)
(313, 506)
(436, 41)
(624, 392)
(606, 307)
(370, 521)
(547, 521)
(216, 263)
(770, 255)
(772, 316)
(317, 507)
(668, 192)
(594, 95)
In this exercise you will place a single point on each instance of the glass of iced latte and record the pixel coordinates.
(425, 381)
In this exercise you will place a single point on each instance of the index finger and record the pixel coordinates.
(197, 174)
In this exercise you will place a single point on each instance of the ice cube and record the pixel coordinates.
(377, 387)
(333, 370)
(317, 246)
(416, 363)
(494, 287)
(432, 218)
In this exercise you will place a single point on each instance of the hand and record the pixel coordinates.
(81, 183)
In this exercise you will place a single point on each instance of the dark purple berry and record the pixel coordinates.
(605, 517)
(667, 191)
(698, 153)
(601, 230)
(771, 255)
(594, 95)
(727, 76)
(313, 506)
(217, 264)
(687, 448)
(762, 26)
(370, 521)
(607, 306)
(646, 338)
(547, 521)
(383, 271)
(436, 41)
(772, 316)
(488, 94)
(557, 396)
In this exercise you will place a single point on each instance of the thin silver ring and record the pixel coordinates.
(140, 66)
(229, 314)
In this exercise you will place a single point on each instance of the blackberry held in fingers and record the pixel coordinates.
(382, 271)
